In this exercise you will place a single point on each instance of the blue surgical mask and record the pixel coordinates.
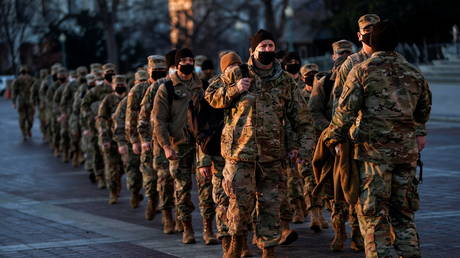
(197, 69)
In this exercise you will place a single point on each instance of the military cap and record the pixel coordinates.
(141, 75)
(341, 46)
(368, 19)
(90, 78)
(99, 74)
(200, 59)
(119, 79)
(82, 70)
(306, 68)
(108, 67)
(156, 62)
(62, 70)
(73, 73)
(23, 68)
(228, 59)
(55, 68)
(43, 73)
(95, 66)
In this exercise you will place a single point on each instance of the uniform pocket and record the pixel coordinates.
(413, 197)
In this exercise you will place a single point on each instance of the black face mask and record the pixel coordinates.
(186, 69)
(120, 89)
(55, 77)
(266, 57)
(366, 38)
(90, 86)
(82, 80)
(62, 79)
(292, 68)
(108, 77)
(158, 74)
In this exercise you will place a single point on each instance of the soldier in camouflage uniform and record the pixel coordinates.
(53, 96)
(89, 108)
(381, 114)
(46, 86)
(21, 91)
(145, 125)
(169, 116)
(254, 142)
(156, 64)
(37, 101)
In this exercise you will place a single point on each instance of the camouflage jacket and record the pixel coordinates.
(145, 121)
(134, 100)
(75, 117)
(35, 93)
(170, 119)
(119, 123)
(383, 101)
(57, 108)
(21, 89)
(255, 123)
(104, 122)
(68, 93)
(90, 104)
(43, 92)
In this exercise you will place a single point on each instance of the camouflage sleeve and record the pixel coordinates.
(103, 120)
(161, 116)
(14, 90)
(85, 109)
(143, 122)
(423, 109)
(132, 114)
(75, 114)
(202, 159)
(34, 99)
(66, 99)
(350, 102)
(219, 94)
(340, 80)
(317, 104)
(57, 101)
(119, 135)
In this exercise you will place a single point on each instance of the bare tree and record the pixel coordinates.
(109, 18)
(275, 16)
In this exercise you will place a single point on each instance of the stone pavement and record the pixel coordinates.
(49, 209)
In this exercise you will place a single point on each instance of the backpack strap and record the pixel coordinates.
(170, 89)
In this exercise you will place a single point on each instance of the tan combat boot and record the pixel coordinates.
(339, 235)
(322, 220)
(188, 236)
(208, 235)
(245, 251)
(151, 208)
(113, 197)
(225, 245)
(236, 247)
(298, 212)
(179, 227)
(168, 222)
(288, 236)
(357, 241)
(268, 252)
(136, 198)
(315, 223)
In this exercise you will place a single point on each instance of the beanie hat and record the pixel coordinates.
(290, 56)
(260, 36)
(228, 59)
(183, 53)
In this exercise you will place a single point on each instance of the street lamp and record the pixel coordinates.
(62, 39)
(289, 12)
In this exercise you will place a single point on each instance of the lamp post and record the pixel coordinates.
(62, 39)
(289, 12)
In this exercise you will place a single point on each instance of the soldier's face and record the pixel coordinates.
(264, 46)
(337, 55)
(366, 30)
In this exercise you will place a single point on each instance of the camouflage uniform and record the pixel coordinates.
(37, 100)
(254, 147)
(54, 96)
(45, 88)
(382, 119)
(21, 91)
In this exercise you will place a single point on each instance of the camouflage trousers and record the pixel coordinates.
(113, 167)
(165, 182)
(149, 176)
(88, 152)
(43, 123)
(64, 139)
(26, 118)
(249, 185)
(286, 210)
(131, 165)
(95, 155)
(219, 196)
(388, 199)
(206, 203)
(181, 171)
(309, 183)
(55, 134)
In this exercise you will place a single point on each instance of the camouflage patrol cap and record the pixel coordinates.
(55, 68)
(156, 62)
(73, 73)
(90, 78)
(82, 70)
(62, 70)
(368, 19)
(23, 68)
(108, 67)
(306, 68)
(95, 66)
(200, 59)
(342, 45)
(119, 79)
(43, 73)
(99, 74)
(141, 75)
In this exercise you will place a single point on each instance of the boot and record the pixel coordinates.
(188, 236)
(339, 235)
(100, 182)
(92, 177)
(288, 236)
(179, 227)
(236, 246)
(65, 156)
(322, 220)
(225, 245)
(268, 252)
(113, 197)
(246, 252)
(136, 198)
(168, 222)
(298, 213)
(208, 236)
(151, 208)
(315, 224)
(75, 160)
(357, 241)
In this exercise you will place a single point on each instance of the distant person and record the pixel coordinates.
(21, 90)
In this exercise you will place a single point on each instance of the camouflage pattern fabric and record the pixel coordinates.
(21, 90)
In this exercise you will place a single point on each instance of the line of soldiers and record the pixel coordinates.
(250, 134)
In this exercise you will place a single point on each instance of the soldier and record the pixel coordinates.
(36, 100)
(199, 59)
(382, 118)
(43, 93)
(95, 66)
(53, 96)
(165, 183)
(253, 142)
(89, 108)
(169, 115)
(21, 91)
(156, 69)
(207, 70)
